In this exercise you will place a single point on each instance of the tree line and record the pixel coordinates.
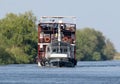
(18, 41)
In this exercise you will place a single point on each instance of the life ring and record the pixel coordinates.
(47, 39)
(65, 39)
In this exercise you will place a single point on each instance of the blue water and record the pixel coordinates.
(102, 72)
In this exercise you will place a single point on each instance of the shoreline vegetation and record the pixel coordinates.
(18, 41)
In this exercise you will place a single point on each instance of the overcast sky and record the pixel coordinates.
(102, 15)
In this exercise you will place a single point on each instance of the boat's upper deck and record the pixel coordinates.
(58, 19)
(56, 28)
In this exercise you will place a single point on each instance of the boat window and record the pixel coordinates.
(48, 49)
(55, 25)
(59, 49)
(54, 50)
(65, 50)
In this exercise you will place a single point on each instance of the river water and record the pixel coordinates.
(102, 72)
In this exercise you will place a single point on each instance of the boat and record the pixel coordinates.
(56, 41)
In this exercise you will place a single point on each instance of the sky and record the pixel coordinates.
(102, 15)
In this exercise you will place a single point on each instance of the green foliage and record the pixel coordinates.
(5, 57)
(18, 35)
(92, 45)
(96, 56)
(18, 55)
(109, 50)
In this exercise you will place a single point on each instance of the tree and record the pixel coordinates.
(19, 36)
(92, 45)
(5, 57)
(96, 56)
(109, 50)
